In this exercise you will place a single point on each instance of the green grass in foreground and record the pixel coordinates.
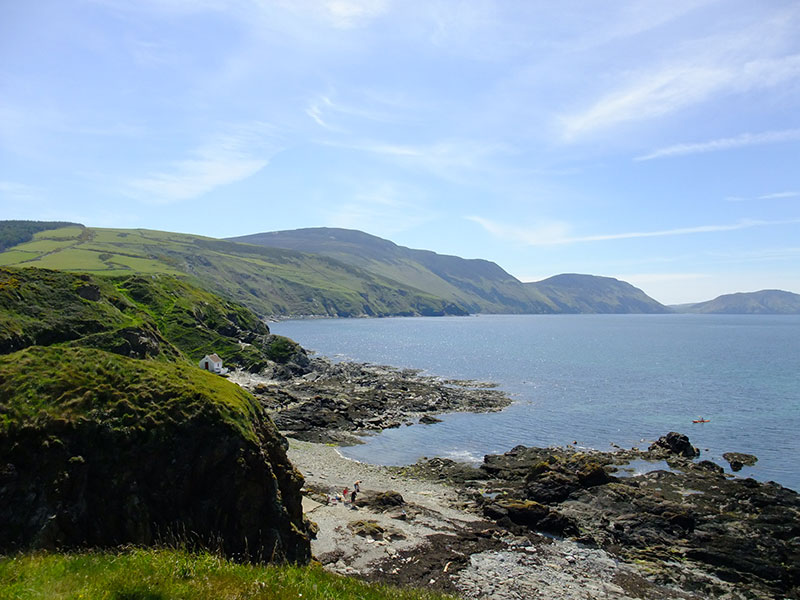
(177, 575)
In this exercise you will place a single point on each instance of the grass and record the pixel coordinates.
(162, 574)
(44, 307)
(86, 384)
(269, 281)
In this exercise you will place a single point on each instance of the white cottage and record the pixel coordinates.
(211, 362)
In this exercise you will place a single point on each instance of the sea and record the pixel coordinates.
(589, 381)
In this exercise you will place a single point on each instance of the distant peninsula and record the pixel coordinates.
(764, 302)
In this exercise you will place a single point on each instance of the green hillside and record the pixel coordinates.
(156, 316)
(477, 285)
(269, 281)
(573, 293)
(765, 302)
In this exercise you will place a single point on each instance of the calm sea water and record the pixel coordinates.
(594, 379)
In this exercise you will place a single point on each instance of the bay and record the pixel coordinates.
(597, 380)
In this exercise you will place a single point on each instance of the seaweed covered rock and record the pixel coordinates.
(100, 450)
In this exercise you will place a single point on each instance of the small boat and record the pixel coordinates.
(701, 420)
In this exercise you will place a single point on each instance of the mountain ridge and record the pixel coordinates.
(762, 302)
(478, 284)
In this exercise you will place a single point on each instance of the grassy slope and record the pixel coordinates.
(267, 280)
(177, 575)
(478, 285)
(182, 322)
(86, 384)
(13, 233)
(573, 293)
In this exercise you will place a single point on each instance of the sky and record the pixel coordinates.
(654, 142)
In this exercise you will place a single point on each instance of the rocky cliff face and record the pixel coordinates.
(100, 450)
(197, 483)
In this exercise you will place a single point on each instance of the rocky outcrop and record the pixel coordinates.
(737, 460)
(673, 444)
(336, 400)
(122, 451)
(692, 526)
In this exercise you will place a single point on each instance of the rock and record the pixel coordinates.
(674, 444)
(143, 456)
(372, 529)
(429, 420)
(737, 460)
(380, 500)
(530, 514)
(690, 527)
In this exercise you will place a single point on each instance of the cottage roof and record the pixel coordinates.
(214, 358)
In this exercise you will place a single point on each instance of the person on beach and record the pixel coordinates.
(345, 493)
(354, 493)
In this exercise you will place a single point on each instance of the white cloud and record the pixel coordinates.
(347, 14)
(557, 233)
(779, 195)
(382, 208)
(677, 85)
(228, 158)
(449, 159)
(739, 141)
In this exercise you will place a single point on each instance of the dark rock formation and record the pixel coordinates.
(199, 483)
(99, 450)
(335, 400)
(693, 526)
(674, 443)
(737, 460)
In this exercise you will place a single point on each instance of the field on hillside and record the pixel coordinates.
(268, 280)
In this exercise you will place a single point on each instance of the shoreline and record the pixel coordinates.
(435, 539)
(557, 522)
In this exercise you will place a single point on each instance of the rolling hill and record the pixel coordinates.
(764, 302)
(478, 285)
(316, 272)
(573, 293)
(270, 281)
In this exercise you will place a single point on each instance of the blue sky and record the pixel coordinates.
(656, 142)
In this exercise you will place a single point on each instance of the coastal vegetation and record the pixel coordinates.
(169, 574)
(99, 377)
(269, 281)
(156, 316)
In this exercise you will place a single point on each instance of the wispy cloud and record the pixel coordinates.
(556, 233)
(448, 159)
(739, 141)
(383, 208)
(676, 86)
(779, 195)
(228, 158)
